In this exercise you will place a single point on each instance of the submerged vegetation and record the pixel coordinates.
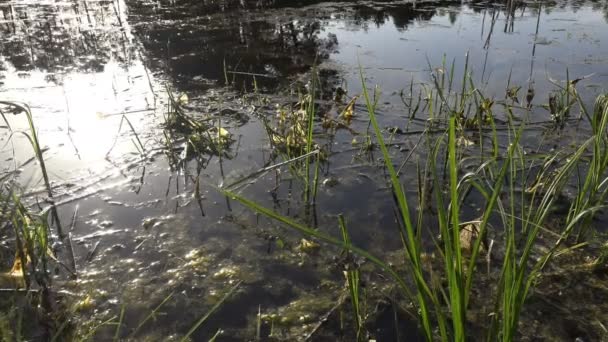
(329, 209)
(445, 284)
(459, 277)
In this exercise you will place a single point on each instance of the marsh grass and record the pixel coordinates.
(353, 280)
(292, 139)
(26, 288)
(31, 231)
(203, 136)
(444, 299)
(32, 137)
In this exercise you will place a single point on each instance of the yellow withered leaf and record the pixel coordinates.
(308, 246)
(277, 139)
(223, 133)
(15, 277)
(17, 270)
(469, 234)
(85, 304)
(349, 110)
(183, 99)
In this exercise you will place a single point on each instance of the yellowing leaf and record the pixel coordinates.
(183, 99)
(85, 304)
(349, 110)
(17, 270)
(18, 265)
(222, 133)
(15, 277)
(277, 139)
(469, 234)
(308, 246)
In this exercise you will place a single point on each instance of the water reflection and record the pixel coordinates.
(76, 64)
(230, 47)
(197, 41)
(519, 42)
(63, 36)
(199, 44)
(79, 66)
(399, 15)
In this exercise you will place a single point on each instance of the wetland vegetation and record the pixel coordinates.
(310, 170)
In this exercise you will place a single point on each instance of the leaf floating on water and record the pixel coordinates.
(227, 272)
(221, 136)
(308, 246)
(183, 99)
(17, 269)
(223, 133)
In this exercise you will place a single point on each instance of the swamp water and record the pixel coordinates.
(154, 240)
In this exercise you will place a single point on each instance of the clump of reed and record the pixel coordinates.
(29, 277)
(292, 137)
(444, 297)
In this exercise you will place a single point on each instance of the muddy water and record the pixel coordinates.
(96, 75)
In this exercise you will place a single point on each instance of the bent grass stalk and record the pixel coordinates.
(210, 312)
(408, 235)
(139, 146)
(151, 315)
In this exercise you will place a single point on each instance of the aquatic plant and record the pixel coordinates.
(444, 299)
(202, 135)
(31, 231)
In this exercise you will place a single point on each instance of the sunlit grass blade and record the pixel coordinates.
(151, 315)
(411, 246)
(210, 312)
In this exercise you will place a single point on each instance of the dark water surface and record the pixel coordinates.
(140, 233)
